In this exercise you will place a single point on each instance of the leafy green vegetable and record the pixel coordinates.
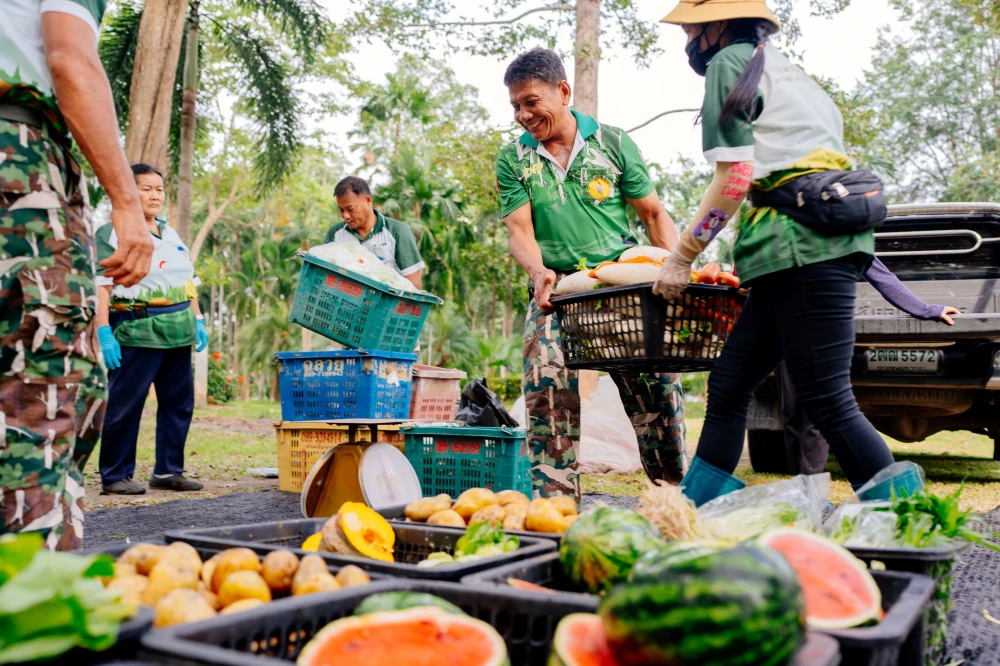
(925, 518)
(749, 522)
(52, 602)
(483, 535)
(582, 264)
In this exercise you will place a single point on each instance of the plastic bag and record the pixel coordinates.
(481, 407)
(859, 525)
(750, 512)
(355, 257)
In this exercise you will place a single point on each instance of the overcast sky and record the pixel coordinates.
(838, 48)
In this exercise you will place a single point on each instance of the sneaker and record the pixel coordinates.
(174, 482)
(123, 487)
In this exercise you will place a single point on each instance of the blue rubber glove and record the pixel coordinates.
(110, 348)
(201, 334)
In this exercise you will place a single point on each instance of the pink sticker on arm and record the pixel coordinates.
(710, 226)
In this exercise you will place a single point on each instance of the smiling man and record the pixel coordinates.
(564, 187)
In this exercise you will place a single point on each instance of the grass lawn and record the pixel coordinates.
(226, 440)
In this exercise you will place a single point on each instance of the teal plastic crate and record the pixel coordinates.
(357, 311)
(452, 459)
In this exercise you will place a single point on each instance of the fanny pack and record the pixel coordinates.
(140, 311)
(833, 203)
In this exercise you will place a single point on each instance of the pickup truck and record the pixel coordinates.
(915, 378)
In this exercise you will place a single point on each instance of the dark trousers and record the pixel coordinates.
(804, 315)
(169, 370)
(805, 447)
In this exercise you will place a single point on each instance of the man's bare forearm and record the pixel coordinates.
(84, 95)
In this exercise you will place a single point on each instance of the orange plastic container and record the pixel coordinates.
(435, 392)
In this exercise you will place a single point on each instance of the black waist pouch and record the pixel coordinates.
(833, 203)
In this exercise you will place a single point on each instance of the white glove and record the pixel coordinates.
(674, 277)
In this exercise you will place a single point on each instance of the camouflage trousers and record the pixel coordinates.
(653, 402)
(50, 379)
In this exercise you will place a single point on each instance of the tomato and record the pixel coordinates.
(728, 280)
(709, 274)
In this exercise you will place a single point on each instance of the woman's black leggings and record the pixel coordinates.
(804, 315)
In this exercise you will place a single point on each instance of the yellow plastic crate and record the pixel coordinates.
(301, 443)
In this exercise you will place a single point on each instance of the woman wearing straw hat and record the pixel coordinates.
(775, 135)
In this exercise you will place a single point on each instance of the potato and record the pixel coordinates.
(565, 504)
(423, 509)
(321, 582)
(448, 518)
(519, 510)
(231, 561)
(512, 522)
(123, 569)
(180, 606)
(131, 588)
(185, 549)
(243, 585)
(208, 568)
(278, 569)
(169, 575)
(143, 557)
(543, 516)
(568, 520)
(241, 605)
(352, 576)
(492, 514)
(506, 497)
(309, 566)
(210, 597)
(473, 500)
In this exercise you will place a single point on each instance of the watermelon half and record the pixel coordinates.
(415, 637)
(839, 590)
(580, 641)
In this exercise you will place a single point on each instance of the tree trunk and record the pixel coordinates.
(587, 56)
(275, 392)
(161, 30)
(189, 119)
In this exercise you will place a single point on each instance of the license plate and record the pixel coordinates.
(922, 361)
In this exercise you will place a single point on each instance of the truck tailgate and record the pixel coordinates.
(884, 328)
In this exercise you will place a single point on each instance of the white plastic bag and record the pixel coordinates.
(354, 257)
(750, 512)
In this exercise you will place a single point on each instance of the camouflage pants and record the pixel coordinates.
(653, 402)
(48, 344)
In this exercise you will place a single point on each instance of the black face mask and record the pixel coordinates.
(699, 59)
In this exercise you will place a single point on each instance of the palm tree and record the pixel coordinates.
(267, 42)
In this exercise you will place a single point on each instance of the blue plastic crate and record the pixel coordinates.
(452, 459)
(333, 385)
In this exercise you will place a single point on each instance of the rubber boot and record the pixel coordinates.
(903, 478)
(704, 482)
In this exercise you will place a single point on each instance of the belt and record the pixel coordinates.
(16, 113)
(144, 311)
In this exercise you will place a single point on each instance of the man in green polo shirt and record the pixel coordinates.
(564, 186)
(390, 240)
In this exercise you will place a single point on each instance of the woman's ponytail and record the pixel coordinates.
(742, 98)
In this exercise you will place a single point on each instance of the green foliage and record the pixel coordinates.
(220, 380)
(936, 91)
(508, 388)
(517, 24)
(119, 38)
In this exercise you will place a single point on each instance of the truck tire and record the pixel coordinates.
(767, 451)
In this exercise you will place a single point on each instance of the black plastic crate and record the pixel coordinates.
(526, 623)
(629, 329)
(396, 514)
(414, 542)
(925, 645)
(904, 598)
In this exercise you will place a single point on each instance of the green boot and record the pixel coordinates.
(898, 478)
(704, 482)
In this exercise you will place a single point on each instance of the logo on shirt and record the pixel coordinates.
(599, 188)
(533, 170)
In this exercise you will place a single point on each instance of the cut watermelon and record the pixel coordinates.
(839, 590)
(580, 641)
(415, 637)
(525, 585)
